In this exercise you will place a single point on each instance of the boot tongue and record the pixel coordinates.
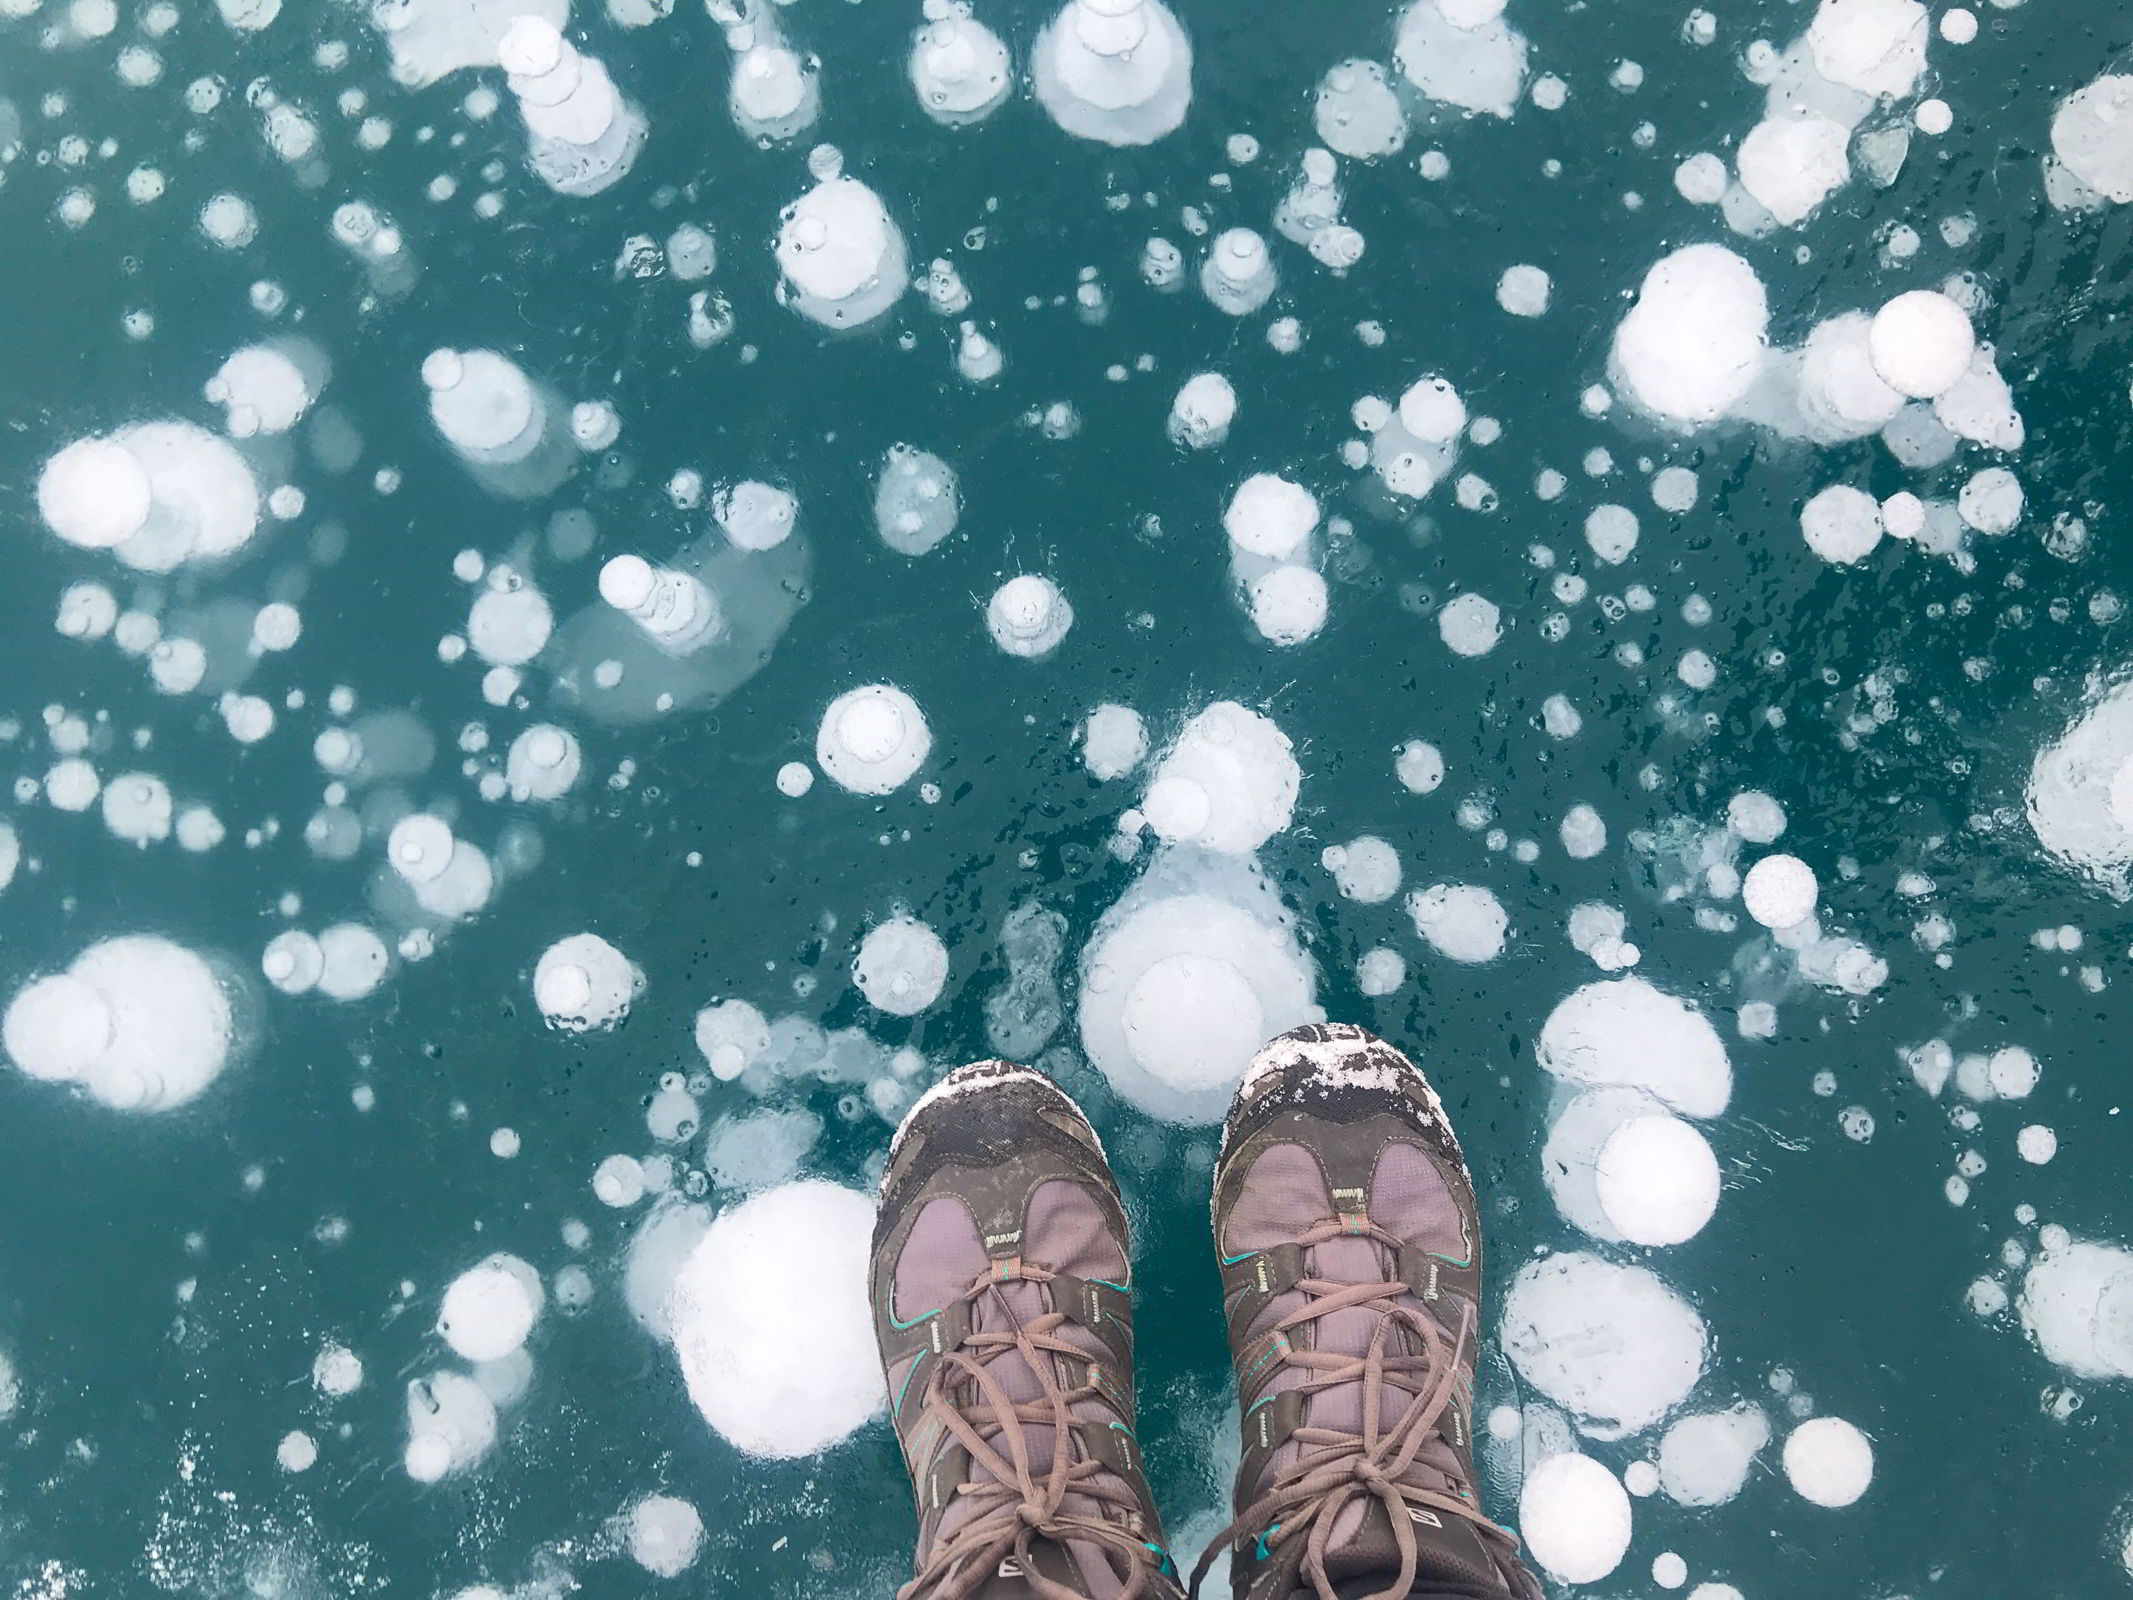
(1450, 1557)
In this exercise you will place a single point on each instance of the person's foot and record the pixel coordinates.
(1351, 1271)
(1005, 1316)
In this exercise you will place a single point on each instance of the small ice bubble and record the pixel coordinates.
(1828, 1461)
(1780, 891)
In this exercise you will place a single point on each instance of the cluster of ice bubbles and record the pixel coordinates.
(138, 1023)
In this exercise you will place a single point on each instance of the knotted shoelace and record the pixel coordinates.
(1021, 1507)
(1336, 1467)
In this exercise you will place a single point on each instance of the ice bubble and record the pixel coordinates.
(2073, 785)
(1204, 408)
(451, 1424)
(1115, 71)
(1574, 1517)
(1357, 113)
(1470, 625)
(1828, 1461)
(1380, 972)
(960, 69)
(1991, 501)
(1755, 817)
(1523, 291)
(732, 1037)
(917, 500)
(420, 847)
(141, 1023)
(265, 388)
(664, 1535)
(509, 625)
(1419, 767)
(2036, 1144)
(1461, 53)
(1842, 396)
(677, 611)
(1028, 616)
(293, 962)
(1609, 1343)
(2077, 1304)
(773, 93)
(1288, 605)
(137, 808)
(583, 982)
(1183, 980)
(10, 854)
(1270, 516)
(353, 961)
(1657, 1180)
(843, 259)
(1780, 891)
(1921, 343)
(1697, 338)
(1625, 1031)
(72, 785)
(1113, 741)
(788, 1368)
(1791, 164)
(2089, 135)
(337, 1371)
(1432, 410)
(901, 967)
(1841, 524)
(1705, 1458)
(543, 763)
(94, 494)
(1701, 179)
(872, 739)
(1611, 531)
(1228, 783)
(490, 1309)
(1877, 47)
(757, 516)
(1367, 869)
(430, 41)
(1238, 276)
(1460, 921)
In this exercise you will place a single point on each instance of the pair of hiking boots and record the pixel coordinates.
(1350, 1248)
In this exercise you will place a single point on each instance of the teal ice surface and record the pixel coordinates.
(167, 1279)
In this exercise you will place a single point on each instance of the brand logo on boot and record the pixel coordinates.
(1428, 1519)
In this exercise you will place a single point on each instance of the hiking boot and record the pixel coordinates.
(1005, 1314)
(1351, 1274)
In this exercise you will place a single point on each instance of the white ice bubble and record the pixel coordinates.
(731, 1036)
(1419, 767)
(1229, 782)
(137, 808)
(1188, 975)
(1657, 1180)
(1460, 921)
(2036, 1144)
(1366, 869)
(490, 1309)
(1270, 516)
(757, 516)
(1611, 531)
(2072, 785)
(1289, 605)
(774, 93)
(1239, 275)
(917, 500)
(1702, 179)
(1201, 414)
(1028, 616)
(1625, 1031)
(543, 763)
(901, 966)
(265, 388)
(872, 739)
(1755, 817)
(1790, 164)
(1432, 410)
(1583, 833)
(760, 1150)
(788, 1368)
(1877, 47)
(1357, 113)
(509, 624)
(419, 847)
(664, 1535)
(1609, 1343)
(583, 982)
(1461, 53)
(1921, 343)
(337, 1371)
(1991, 501)
(1574, 1517)
(1380, 971)
(1115, 71)
(1523, 291)
(1697, 338)
(843, 259)
(1470, 625)
(1705, 1458)
(1780, 891)
(2077, 1304)
(1841, 524)
(57, 1028)
(1113, 740)
(94, 494)
(353, 961)
(293, 962)
(2089, 136)
(960, 70)
(451, 1424)
(1828, 1461)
